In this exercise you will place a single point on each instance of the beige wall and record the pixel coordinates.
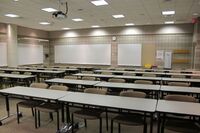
(157, 37)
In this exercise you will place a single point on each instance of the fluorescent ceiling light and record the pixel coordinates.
(12, 15)
(65, 28)
(169, 22)
(49, 9)
(129, 24)
(95, 26)
(44, 23)
(168, 12)
(99, 2)
(195, 14)
(77, 19)
(16, 0)
(118, 16)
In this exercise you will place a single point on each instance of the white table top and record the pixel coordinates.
(93, 75)
(186, 108)
(128, 86)
(16, 76)
(139, 104)
(180, 89)
(49, 68)
(33, 70)
(72, 81)
(35, 92)
(181, 79)
(137, 77)
(182, 74)
(132, 72)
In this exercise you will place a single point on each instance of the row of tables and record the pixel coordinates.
(125, 86)
(126, 103)
(161, 80)
(140, 73)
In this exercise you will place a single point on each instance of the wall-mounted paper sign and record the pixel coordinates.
(160, 54)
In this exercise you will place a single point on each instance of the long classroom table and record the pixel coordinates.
(176, 107)
(29, 92)
(116, 102)
(27, 79)
(51, 74)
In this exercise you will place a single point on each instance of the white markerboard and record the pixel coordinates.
(129, 54)
(3, 54)
(97, 54)
(30, 54)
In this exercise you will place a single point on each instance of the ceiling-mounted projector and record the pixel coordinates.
(60, 14)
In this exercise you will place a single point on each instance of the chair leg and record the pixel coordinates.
(72, 122)
(85, 121)
(58, 120)
(145, 128)
(32, 111)
(119, 128)
(38, 118)
(17, 114)
(35, 118)
(100, 125)
(51, 116)
(111, 130)
(107, 120)
(67, 113)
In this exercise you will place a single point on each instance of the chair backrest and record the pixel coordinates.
(96, 91)
(149, 75)
(2, 71)
(129, 74)
(133, 94)
(181, 98)
(179, 84)
(70, 77)
(143, 82)
(117, 80)
(106, 73)
(15, 73)
(59, 87)
(88, 78)
(178, 76)
(39, 85)
(88, 72)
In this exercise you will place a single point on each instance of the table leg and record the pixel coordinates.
(7, 109)
(151, 123)
(158, 124)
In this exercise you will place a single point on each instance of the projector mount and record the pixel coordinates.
(60, 14)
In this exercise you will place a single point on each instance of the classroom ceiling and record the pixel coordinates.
(139, 12)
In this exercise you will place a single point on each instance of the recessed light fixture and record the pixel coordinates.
(49, 9)
(77, 19)
(95, 26)
(195, 14)
(65, 28)
(129, 24)
(169, 22)
(168, 12)
(44, 23)
(118, 16)
(99, 2)
(12, 15)
(15, 0)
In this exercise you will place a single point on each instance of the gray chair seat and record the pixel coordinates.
(48, 107)
(29, 103)
(182, 126)
(90, 114)
(133, 120)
